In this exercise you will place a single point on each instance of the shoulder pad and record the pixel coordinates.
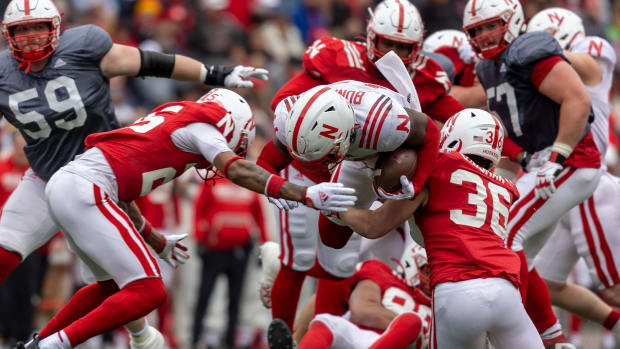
(444, 62)
(532, 47)
(328, 54)
(86, 41)
(596, 47)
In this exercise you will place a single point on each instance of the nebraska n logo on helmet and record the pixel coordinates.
(565, 26)
(396, 20)
(26, 47)
(478, 13)
(318, 127)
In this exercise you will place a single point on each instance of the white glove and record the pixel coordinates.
(283, 204)
(466, 53)
(538, 159)
(174, 251)
(545, 178)
(330, 196)
(239, 75)
(405, 192)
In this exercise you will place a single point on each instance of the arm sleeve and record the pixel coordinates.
(271, 159)
(200, 138)
(259, 218)
(427, 155)
(510, 148)
(299, 83)
(443, 108)
(542, 68)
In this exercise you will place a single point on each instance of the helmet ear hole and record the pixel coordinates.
(453, 144)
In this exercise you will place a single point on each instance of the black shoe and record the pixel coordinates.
(279, 335)
(32, 344)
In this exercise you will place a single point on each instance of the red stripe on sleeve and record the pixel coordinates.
(542, 68)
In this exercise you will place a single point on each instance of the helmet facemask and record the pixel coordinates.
(492, 43)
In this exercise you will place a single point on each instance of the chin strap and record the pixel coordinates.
(26, 66)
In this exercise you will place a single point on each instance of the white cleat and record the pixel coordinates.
(151, 339)
(270, 261)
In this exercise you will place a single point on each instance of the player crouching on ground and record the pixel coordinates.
(462, 214)
(124, 164)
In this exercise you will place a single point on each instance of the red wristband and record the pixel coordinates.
(273, 185)
(161, 245)
(146, 230)
(230, 161)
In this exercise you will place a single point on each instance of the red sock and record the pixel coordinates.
(318, 272)
(135, 300)
(9, 260)
(612, 319)
(403, 330)
(318, 336)
(331, 297)
(285, 294)
(523, 276)
(538, 303)
(83, 301)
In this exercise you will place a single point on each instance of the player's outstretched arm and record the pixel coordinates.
(124, 60)
(424, 137)
(323, 196)
(366, 308)
(373, 224)
(586, 66)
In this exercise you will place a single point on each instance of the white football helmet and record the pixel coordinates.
(412, 264)
(473, 132)
(319, 126)
(480, 12)
(31, 11)
(446, 37)
(565, 25)
(241, 121)
(396, 20)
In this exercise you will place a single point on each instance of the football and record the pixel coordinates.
(390, 166)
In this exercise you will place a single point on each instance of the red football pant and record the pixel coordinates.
(9, 260)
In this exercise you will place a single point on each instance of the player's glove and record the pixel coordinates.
(405, 192)
(283, 204)
(545, 178)
(174, 252)
(466, 53)
(330, 196)
(238, 77)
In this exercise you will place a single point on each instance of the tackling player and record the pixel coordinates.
(55, 89)
(124, 164)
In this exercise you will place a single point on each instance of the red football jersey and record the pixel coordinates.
(10, 175)
(464, 222)
(331, 60)
(143, 155)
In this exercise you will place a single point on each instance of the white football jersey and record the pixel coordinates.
(382, 124)
(605, 55)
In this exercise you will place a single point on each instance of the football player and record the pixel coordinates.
(124, 164)
(347, 120)
(545, 108)
(387, 308)
(55, 89)
(588, 230)
(462, 214)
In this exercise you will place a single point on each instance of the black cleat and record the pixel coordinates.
(279, 335)
(32, 344)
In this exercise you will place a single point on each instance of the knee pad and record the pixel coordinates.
(303, 260)
(332, 234)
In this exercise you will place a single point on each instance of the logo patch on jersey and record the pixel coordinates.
(59, 63)
(503, 69)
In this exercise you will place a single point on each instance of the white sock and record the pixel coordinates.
(142, 331)
(58, 340)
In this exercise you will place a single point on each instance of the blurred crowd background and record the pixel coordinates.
(221, 279)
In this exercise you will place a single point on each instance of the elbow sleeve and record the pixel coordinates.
(272, 159)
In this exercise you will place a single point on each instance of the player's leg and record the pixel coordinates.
(212, 265)
(510, 326)
(25, 223)
(328, 330)
(298, 239)
(462, 315)
(405, 329)
(97, 228)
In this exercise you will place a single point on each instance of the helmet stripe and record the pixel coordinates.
(473, 8)
(401, 16)
(27, 7)
(496, 136)
(303, 114)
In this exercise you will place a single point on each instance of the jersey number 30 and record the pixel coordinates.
(478, 199)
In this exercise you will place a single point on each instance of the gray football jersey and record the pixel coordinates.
(56, 108)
